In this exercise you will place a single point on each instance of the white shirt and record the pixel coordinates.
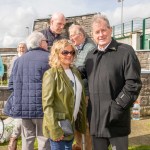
(103, 49)
(77, 87)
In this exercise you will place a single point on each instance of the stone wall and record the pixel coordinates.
(83, 20)
(144, 97)
(144, 57)
(7, 50)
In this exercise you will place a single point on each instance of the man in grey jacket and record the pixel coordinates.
(84, 45)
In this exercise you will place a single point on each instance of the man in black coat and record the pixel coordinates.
(113, 72)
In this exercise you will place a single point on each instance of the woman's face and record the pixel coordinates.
(21, 49)
(66, 56)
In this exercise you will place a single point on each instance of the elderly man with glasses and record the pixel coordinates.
(83, 45)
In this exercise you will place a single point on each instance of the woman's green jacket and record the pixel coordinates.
(58, 103)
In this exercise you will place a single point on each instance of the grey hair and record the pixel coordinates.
(34, 39)
(57, 15)
(99, 17)
(78, 28)
(22, 42)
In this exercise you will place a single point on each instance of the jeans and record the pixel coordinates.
(61, 145)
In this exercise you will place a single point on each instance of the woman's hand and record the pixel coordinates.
(59, 139)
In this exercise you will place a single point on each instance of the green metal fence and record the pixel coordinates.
(136, 25)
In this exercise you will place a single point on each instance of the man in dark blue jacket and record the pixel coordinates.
(113, 72)
(26, 84)
(54, 31)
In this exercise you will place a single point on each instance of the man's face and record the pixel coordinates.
(57, 25)
(101, 33)
(76, 38)
(44, 44)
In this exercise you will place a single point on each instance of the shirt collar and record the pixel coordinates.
(111, 46)
(80, 47)
(103, 49)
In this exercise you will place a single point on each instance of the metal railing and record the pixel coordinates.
(135, 25)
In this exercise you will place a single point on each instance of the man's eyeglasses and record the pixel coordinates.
(65, 53)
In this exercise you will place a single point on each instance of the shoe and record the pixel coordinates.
(12, 144)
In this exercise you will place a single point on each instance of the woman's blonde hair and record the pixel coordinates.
(55, 50)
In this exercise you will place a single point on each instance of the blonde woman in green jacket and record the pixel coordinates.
(63, 96)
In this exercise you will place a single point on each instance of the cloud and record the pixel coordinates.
(129, 13)
(16, 15)
(13, 28)
(68, 7)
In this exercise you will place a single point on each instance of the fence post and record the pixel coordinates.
(143, 37)
(132, 26)
(113, 31)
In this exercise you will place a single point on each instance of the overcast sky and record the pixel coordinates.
(16, 15)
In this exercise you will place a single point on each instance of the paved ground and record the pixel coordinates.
(140, 133)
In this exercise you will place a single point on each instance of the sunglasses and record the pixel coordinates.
(65, 53)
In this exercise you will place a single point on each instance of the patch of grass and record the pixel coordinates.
(35, 144)
(142, 147)
(3, 146)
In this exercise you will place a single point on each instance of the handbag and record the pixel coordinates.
(66, 127)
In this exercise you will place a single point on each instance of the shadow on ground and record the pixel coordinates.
(140, 140)
(140, 132)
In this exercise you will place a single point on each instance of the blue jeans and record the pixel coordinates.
(61, 145)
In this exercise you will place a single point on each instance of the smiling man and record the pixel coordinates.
(53, 32)
(84, 45)
(113, 72)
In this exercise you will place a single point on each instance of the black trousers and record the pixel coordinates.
(116, 143)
